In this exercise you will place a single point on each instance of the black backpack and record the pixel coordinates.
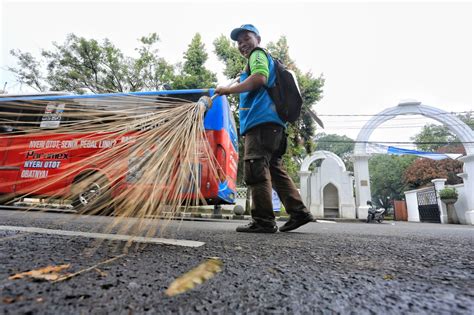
(286, 93)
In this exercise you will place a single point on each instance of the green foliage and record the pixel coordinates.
(448, 193)
(228, 53)
(29, 71)
(342, 146)
(149, 71)
(468, 119)
(283, 212)
(281, 50)
(81, 65)
(433, 133)
(193, 74)
(295, 154)
(386, 177)
(422, 171)
(84, 65)
(440, 134)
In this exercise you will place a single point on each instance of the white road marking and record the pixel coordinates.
(324, 221)
(116, 237)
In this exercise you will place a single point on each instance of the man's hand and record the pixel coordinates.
(222, 90)
(253, 82)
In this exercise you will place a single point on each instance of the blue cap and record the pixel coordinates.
(246, 27)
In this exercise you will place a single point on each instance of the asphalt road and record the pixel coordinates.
(321, 268)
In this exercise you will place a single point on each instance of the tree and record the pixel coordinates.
(432, 137)
(437, 138)
(29, 71)
(83, 65)
(342, 146)
(228, 53)
(193, 73)
(299, 133)
(386, 177)
(423, 170)
(150, 72)
(467, 118)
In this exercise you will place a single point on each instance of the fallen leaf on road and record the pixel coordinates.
(8, 300)
(195, 276)
(49, 273)
(388, 277)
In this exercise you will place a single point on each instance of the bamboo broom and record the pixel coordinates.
(161, 138)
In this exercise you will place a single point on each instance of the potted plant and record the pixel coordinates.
(448, 195)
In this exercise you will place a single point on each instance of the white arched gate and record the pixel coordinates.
(331, 178)
(361, 157)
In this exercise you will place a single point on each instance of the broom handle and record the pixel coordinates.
(235, 80)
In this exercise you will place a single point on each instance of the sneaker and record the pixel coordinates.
(254, 227)
(296, 222)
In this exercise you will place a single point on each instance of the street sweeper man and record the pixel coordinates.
(264, 138)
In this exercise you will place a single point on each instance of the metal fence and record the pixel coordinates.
(428, 206)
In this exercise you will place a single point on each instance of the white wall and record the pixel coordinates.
(461, 205)
(330, 172)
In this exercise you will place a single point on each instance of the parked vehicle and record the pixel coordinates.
(45, 163)
(375, 214)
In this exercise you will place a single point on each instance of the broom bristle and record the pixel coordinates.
(141, 156)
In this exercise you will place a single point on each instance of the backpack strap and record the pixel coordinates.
(247, 69)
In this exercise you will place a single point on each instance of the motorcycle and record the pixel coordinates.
(375, 214)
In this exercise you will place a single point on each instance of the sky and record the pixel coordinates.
(372, 54)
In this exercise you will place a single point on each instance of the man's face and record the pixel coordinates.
(247, 41)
